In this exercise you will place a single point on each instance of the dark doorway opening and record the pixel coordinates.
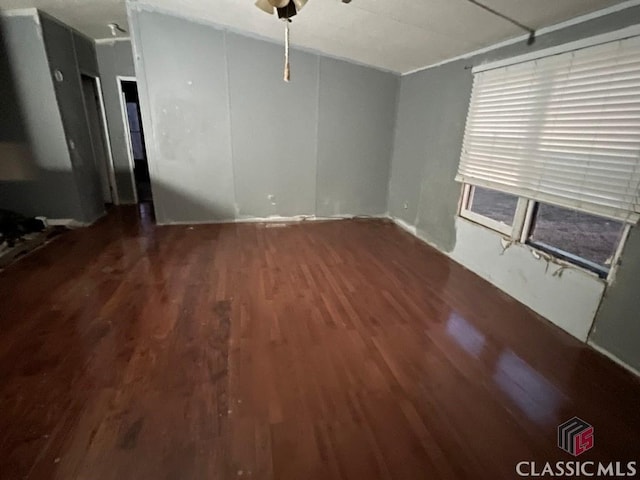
(136, 135)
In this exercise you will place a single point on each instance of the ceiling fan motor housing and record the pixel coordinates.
(288, 11)
(285, 8)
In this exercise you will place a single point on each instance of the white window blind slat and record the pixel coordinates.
(592, 81)
(486, 155)
(563, 129)
(578, 72)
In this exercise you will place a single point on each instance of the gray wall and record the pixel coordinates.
(61, 52)
(227, 138)
(47, 119)
(29, 116)
(617, 325)
(355, 136)
(185, 116)
(85, 54)
(430, 126)
(115, 58)
(432, 111)
(280, 159)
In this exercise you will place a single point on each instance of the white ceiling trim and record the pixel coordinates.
(523, 38)
(112, 40)
(19, 12)
(628, 32)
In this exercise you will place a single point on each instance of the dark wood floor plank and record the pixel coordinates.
(344, 349)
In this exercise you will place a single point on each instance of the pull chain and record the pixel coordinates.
(287, 72)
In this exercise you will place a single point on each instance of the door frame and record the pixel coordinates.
(127, 133)
(111, 173)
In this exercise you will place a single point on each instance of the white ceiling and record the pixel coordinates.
(396, 35)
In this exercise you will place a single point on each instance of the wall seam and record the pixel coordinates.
(236, 208)
(317, 152)
(393, 143)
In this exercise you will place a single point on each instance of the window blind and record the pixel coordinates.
(563, 129)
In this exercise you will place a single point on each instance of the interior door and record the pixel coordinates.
(96, 128)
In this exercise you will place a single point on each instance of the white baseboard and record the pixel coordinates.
(276, 219)
(65, 222)
(414, 231)
(405, 226)
(55, 222)
(611, 356)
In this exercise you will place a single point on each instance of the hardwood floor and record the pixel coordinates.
(326, 350)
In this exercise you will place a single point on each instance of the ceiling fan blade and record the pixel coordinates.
(300, 3)
(265, 6)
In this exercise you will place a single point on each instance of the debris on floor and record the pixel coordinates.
(20, 235)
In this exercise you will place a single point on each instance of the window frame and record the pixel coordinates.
(522, 229)
(510, 231)
(568, 257)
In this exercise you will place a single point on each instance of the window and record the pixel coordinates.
(551, 149)
(589, 241)
(563, 130)
(586, 240)
(490, 208)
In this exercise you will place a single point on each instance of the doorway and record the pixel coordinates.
(94, 109)
(135, 134)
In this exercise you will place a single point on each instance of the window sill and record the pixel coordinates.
(570, 259)
(498, 227)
